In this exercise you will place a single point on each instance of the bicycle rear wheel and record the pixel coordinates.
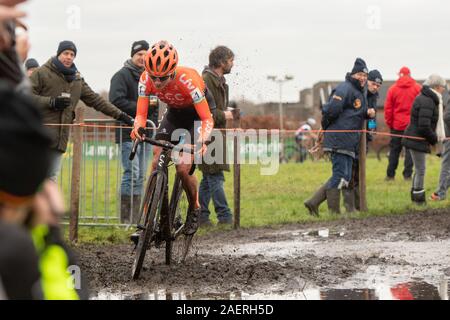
(149, 208)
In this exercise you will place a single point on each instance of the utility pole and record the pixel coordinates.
(280, 82)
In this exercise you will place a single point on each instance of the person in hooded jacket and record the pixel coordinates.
(425, 129)
(397, 109)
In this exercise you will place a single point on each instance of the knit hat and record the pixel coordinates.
(66, 45)
(139, 46)
(24, 148)
(360, 66)
(31, 63)
(375, 76)
(404, 71)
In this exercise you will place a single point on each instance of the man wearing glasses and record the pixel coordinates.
(188, 102)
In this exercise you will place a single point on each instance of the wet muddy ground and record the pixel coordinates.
(395, 257)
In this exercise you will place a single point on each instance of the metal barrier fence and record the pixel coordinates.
(100, 175)
(90, 178)
(98, 167)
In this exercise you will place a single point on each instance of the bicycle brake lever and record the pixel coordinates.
(134, 149)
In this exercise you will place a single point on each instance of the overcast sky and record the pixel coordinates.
(311, 40)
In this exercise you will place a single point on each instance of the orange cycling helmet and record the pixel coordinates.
(161, 60)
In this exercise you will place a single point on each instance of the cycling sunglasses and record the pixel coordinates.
(161, 79)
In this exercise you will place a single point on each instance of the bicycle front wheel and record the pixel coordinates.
(149, 208)
(179, 244)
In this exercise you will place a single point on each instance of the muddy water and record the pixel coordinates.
(401, 257)
(419, 290)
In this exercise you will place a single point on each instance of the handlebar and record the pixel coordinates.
(163, 144)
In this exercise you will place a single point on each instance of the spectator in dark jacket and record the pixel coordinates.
(31, 65)
(397, 109)
(427, 124)
(211, 187)
(351, 194)
(57, 88)
(444, 177)
(374, 83)
(346, 110)
(123, 93)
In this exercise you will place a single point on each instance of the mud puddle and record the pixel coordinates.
(419, 290)
(400, 257)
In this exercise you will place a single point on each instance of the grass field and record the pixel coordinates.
(271, 200)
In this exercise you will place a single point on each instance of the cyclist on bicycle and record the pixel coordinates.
(305, 138)
(188, 101)
(304, 132)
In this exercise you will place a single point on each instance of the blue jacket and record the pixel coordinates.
(345, 110)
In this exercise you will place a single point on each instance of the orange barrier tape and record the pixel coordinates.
(240, 129)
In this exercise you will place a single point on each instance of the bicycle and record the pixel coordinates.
(162, 221)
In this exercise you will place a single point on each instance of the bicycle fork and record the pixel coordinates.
(160, 224)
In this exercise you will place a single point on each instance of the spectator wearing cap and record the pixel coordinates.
(427, 123)
(123, 93)
(345, 112)
(374, 83)
(57, 89)
(30, 66)
(350, 195)
(397, 110)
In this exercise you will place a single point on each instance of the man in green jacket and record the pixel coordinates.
(57, 88)
(220, 63)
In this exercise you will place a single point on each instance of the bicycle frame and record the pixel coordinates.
(162, 216)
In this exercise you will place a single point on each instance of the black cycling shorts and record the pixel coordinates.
(175, 119)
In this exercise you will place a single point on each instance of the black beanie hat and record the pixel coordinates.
(360, 66)
(24, 147)
(66, 45)
(31, 63)
(375, 76)
(139, 46)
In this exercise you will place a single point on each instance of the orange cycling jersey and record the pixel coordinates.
(187, 90)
